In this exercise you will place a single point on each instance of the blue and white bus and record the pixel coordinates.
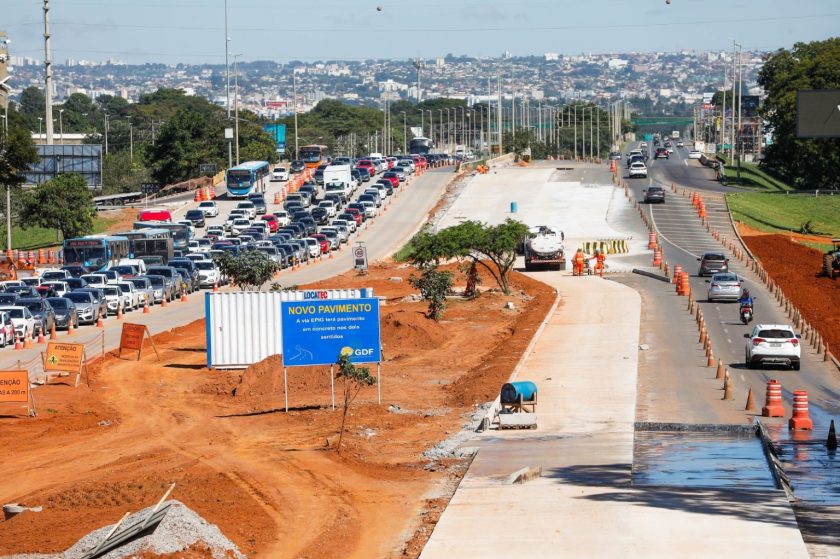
(143, 234)
(246, 178)
(95, 253)
(180, 234)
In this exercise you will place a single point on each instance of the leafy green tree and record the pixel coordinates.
(64, 203)
(477, 241)
(17, 153)
(805, 163)
(354, 379)
(121, 174)
(185, 141)
(433, 285)
(32, 106)
(248, 270)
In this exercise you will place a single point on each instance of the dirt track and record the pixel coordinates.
(266, 477)
(798, 270)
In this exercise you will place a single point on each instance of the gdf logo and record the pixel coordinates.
(347, 350)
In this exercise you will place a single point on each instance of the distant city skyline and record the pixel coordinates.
(192, 31)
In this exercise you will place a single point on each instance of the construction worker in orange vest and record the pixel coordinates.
(578, 262)
(600, 257)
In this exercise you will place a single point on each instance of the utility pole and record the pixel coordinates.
(739, 143)
(236, 103)
(499, 114)
(732, 125)
(418, 65)
(131, 142)
(106, 132)
(48, 73)
(227, 84)
(294, 103)
(575, 120)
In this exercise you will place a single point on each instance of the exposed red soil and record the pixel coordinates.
(270, 480)
(798, 270)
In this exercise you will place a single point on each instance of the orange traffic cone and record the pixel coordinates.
(119, 313)
(52, 331)
(70, 328)
(720, 372)
(215, 287)
(99, 323)
(183, 296)
(41, 339)
(27, 342)
(750, 401)
(163, 302)
(146, 307)
(18, 343)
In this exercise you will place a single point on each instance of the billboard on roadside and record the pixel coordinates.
(278, 134)
(317, 332)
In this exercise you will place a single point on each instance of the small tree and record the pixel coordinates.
(433, 286)
(354, 379)
(64, 203)
(249, 270)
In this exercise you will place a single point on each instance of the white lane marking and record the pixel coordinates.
(742, 378)
(726, 330)
(729, 340)
(653, 220)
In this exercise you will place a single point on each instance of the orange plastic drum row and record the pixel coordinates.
(205, 193)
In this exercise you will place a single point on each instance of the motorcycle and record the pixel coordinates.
(746, 314)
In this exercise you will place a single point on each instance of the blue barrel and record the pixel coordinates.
(514, 207)
(512, 390)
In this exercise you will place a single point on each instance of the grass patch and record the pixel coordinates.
(753, 176)
(803, 213)
(37, 237)
(404, 254)
(822, 247)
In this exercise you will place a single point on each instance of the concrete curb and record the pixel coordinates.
(484, 424)
(651, 275)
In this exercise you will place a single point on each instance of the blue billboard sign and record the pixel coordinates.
(317, 332)
(278, 134)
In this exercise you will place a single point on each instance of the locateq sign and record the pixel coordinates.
(316, 332)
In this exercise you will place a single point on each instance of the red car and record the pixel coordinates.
(271, 222)
(368, 165)
(420, 162)
(357, 215)
(323, 241)
(393, 177)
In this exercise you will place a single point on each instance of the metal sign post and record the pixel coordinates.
(360, 261)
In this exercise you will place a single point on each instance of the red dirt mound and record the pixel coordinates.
(797, 269)
(409, 329)
(261, 379)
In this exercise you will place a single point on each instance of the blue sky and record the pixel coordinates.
(192, 31)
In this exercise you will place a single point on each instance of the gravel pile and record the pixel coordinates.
(180, 528)
(450, 447)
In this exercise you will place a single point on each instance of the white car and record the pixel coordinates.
(328, 205)
(695, 154)
(280, 174)
(22, 320)
(114, 298)
(60, 287)
(370, 208)
(313, 246)
(239, 225)
(189, 225)
(208, 274)
(134, 296)
(282, 217)
(638, 170)
(209, 207)
(773, 344)
(95, 280)
(349, 224)
(680, 144)
(249, 207)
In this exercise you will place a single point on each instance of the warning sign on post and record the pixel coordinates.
(132, 336)
(14, 387)
(63, 357)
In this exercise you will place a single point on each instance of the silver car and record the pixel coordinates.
(724, 287)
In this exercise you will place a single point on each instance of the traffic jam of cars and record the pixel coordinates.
(162, 260)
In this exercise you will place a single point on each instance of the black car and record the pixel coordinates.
(357, 176)
(310, 189)
(320, 215)
(309, 225)
(292, 205)
(318, 175)
(615, 155)
(360, 208)
(196, 217)
(297, 166)
(189, 266)
(335, 199)
(292, 229)
(75, 283)
(299, 214)
(7, 299)
(65, 313)
(389, 186)
(370, 198)
(713, 263)
(365, 174)
(75, 271)
(23, 291)
(654, 194)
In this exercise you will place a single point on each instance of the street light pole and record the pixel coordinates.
(40, 120)
(227, 82)
(236, 103)
(405, 134)
(294, 102)
(61, 125)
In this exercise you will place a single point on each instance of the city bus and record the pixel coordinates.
(95, 253)
(141, 235)
(314, 155)
(246, 178)
(420, 146)
(180, 233)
